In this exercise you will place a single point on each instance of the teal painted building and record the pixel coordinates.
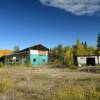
(35, 55)
(38, 59)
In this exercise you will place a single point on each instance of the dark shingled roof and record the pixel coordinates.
(35, 47)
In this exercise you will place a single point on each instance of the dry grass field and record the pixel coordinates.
(27, 83)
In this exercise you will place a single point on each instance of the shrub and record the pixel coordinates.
(1, 64)
(56, 62)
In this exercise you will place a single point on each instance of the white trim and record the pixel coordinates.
(34, 52)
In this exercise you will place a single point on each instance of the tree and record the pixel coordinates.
(59, 49)
(58, 52)
(80, 49)
(98, 41)
(85, 45)
(91, 50)
(98, 44)
(69, 56)
(82, 43)
(16, 48)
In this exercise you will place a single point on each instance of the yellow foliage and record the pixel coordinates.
(69, 56)
(5, 52)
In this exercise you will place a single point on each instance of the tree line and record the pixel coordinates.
(67, 53)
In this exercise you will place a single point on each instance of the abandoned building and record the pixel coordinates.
(34, 55)
(39, 54)
(88, 60)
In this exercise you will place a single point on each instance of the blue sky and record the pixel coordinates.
(29, 22)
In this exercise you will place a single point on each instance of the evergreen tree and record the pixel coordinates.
(82, 43)
(80, 50)
(98, 41)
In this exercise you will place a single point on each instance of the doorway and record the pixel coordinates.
(90, 61)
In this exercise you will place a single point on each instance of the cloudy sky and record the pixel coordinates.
(49, 22)
(77, 7)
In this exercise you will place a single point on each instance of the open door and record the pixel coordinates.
(90, 61)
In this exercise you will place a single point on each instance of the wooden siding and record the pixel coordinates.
(20, 56)
(38, 52)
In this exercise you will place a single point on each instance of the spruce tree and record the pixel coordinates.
(80, 49)
(98, 41)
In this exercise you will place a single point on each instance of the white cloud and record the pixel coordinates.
(77, 7)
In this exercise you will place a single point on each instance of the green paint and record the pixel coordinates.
(23, 60)
(38, 59)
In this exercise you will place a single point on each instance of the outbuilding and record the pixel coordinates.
(88, 60)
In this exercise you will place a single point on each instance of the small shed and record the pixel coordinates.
(88, 60)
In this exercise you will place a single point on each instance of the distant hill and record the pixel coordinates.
(5, 52)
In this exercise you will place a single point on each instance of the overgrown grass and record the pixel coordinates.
(42, 84)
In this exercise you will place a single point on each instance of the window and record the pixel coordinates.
(9, 60)
(34, 60)
(13, 60)
(43, 60)
(17, 60)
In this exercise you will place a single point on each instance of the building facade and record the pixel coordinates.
(88, 60)
(34, 55)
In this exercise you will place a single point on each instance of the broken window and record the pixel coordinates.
(9, 60)
(34, 60)
(17, 60)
